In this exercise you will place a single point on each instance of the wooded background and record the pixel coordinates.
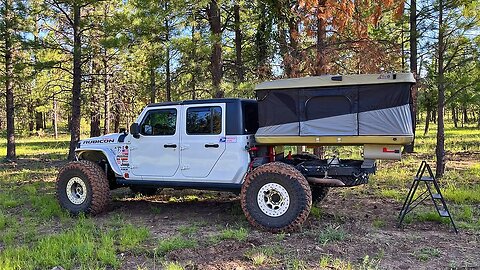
(91, 66)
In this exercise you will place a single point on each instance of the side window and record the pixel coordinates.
(204, 120)
(159, 122)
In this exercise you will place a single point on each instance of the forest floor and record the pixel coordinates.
(353, 228)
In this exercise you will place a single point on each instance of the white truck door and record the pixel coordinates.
(202, 139)
(157, 152)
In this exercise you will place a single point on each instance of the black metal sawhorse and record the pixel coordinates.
(436, 196)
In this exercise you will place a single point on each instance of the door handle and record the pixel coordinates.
(170, 145)
(212, 145)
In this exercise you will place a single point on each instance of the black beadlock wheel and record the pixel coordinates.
(82, 187)
(318, 193)
(276, 197)
(147, 191)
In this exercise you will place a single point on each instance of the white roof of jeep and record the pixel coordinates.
(337, 80)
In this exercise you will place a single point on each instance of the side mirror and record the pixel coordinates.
(135, 130)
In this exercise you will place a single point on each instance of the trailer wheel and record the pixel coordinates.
(276, 197)
(82, 187)
(318, 193)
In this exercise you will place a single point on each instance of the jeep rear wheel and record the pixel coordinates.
(276, 197)
(82, 187)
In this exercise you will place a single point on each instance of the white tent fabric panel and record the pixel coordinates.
(390, 121)
(341, 125)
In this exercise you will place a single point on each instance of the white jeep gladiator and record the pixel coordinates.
(238, 145)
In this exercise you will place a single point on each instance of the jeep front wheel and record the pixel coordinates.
(82, 187)
(276, 197)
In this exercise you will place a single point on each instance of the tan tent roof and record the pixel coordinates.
(337, 80)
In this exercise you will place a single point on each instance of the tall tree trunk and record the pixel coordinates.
(153, 87)
(321, 63)
(55, 118)
(261, 43)
(440, 148)
(94, 102)
(478, 119)
(106, 82)
(293, 40)
(38, 121)
(193, 59)
(427, 121)
(94, 116)
(413, 68)
(77, 81)
(238, 43)
(213, 13)
(465, 114)
(168, 79)
(116, 119)
(9, 92)
(454, 116)
(31, 115)
(106, 92)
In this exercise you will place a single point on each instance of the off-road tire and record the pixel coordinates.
(292, 181)
(318, 193)
(97, 187)
(147, 191)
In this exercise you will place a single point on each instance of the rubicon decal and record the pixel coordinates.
(99, 141)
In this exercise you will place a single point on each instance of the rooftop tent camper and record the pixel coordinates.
(336, 110)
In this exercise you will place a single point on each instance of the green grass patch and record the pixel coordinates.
(426, 254)
(331, 234)
(174, 243)
(462, 195)
(131, 237)
(264, 255)
(378, 223)
(315, 212)
(393, 194)
(77, 247)
(172, 266)
(188, 230)
(239, 234)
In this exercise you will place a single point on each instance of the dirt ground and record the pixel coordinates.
(369, 225)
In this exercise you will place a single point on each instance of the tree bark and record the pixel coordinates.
(321, 63)
(238, 43)
(427, 121)
(465, 114)
(193, 59)
(440, 148)
(38, 121)
(107, 94)
(213, 13)
(153, 87)
(116, 119)
(454, 116)
(77, 81)
(55, 118)
(9, 91)
(31, 116)
(168, 80)
(293, 40)
(413, 68)
(261, 43)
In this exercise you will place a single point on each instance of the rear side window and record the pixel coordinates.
(204, 120)
(159, 122)
(250, 118)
